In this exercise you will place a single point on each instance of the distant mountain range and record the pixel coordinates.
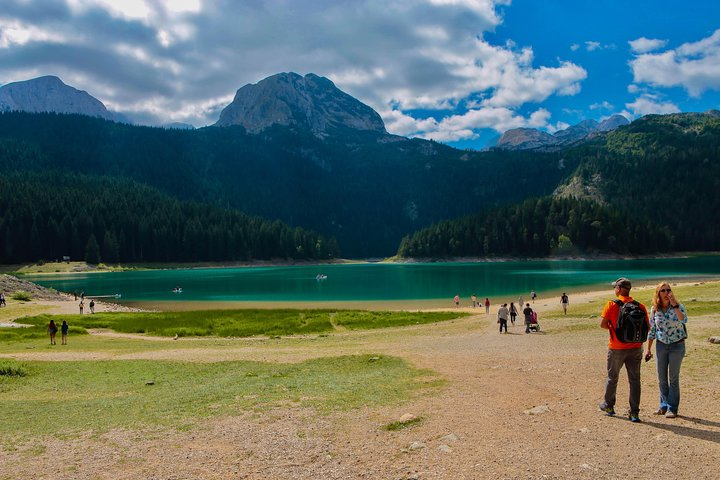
(296, 149)
(308, 102)
(534, 139)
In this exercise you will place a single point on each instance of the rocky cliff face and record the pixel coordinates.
(289, 99)
(525, 139)
(531, 138)
(50, 94)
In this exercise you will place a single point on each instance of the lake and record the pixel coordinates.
(376, 281)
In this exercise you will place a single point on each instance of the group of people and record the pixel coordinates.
(52, 330)
(665, 326)
(81, 306)
(511, 312)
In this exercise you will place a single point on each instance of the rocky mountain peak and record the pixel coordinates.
(531, 138)
(50, 94)
(289, 99)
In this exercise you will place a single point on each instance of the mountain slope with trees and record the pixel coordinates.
(648, 187)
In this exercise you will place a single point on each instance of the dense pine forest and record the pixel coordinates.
(649, 187)
(539, 228)
(51, 215)
(366, 189)
(218, 193)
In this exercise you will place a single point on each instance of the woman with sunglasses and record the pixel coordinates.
(667, 327)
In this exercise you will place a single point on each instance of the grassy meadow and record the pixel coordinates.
(67, 395)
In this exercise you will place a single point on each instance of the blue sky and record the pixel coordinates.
(457, 71)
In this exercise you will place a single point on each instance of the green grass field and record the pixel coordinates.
(67, 397)
(229, 323)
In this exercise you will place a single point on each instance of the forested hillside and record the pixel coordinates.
(367, 189)
(49, 215)
(653, 186)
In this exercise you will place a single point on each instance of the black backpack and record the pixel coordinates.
(632, 325)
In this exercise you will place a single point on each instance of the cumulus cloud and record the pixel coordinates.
(647, 104)
(605, 105)
(645, 45)
(694, 66)
(178, 60)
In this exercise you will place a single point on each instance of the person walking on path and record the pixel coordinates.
(473, 298)
(2, 300)
(528, 312)
(513, 312)
(487, 305)
(64, 331)
(457, 300)
(92, 306)
(52, 330)
(564, 300)
(667, 329)
(503, 317)
(533, 296)
(619, 353)
(81, 306)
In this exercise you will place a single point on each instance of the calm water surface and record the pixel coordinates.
(367, 282)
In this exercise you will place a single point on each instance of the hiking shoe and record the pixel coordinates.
(670, 414)
(609, 411)
(634, 417)
(661, 411)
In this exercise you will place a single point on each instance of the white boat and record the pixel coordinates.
(177, 290)
(320, 276)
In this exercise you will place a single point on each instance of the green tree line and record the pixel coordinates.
(51, 215)
(538, 228)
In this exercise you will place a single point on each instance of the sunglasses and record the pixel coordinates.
(663, 290)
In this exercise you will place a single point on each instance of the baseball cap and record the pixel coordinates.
(622, 282)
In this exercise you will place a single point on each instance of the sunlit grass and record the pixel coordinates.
(101, 395)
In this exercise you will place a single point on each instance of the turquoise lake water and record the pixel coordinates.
(367, 282)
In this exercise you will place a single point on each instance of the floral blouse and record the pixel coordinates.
(666, 327)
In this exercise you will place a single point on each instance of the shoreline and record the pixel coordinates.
(80, 267)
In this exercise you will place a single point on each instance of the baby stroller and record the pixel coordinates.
(534, 325)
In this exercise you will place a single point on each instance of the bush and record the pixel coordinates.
(12, 369)
(21, 296)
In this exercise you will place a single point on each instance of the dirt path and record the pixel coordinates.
(477, 427)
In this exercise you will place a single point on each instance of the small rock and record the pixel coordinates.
(450, 438)
(444, 448)
(150, 382)
(714, 339)
(408, 417)
(584, 430)
(417, 446)
(374, 359)
(537, 410)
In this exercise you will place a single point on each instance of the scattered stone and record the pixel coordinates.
(584, 430)
(150, 382)
(408, 417)
(537, 410)
(374, 359)
(449, 438)
(444, 448)
(417, 446)
(714, 339)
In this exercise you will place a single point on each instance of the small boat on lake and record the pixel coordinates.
(177, 290)
(320, 276)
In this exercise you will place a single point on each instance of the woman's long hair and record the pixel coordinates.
(657, 303)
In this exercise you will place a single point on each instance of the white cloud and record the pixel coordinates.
(592, 46)
(645, 45)
(647, 104)
(693, 66)
(574, 47)
(169, 59)
(605, 105)
(464, 126)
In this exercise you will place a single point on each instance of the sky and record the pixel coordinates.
(459, 72)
